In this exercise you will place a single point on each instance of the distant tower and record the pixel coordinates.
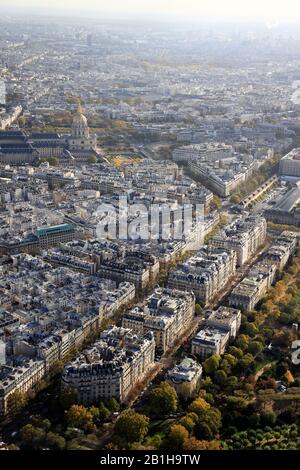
(80, 128)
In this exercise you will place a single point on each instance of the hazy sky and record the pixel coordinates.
(268, 10)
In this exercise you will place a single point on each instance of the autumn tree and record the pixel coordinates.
(15, 402)
(132, 426)
(216, 203)
(194, 444)
(242, 342)
(189, 421)
(235, 199)
(78, 416)
(198, 406)
(176, 437)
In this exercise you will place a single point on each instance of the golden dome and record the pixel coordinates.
(79, 118)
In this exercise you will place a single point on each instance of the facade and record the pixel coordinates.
(205, 273)
(111, 367)
(219, 181)
(253, 287)
(20, 378)
(282, 249)
(185, 377)
(209, 341)
(211, 151)
(290, 164)
(167, 313)
(15, 149)
(244, 236)
(120, 271)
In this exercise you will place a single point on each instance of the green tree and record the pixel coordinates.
(209, 424)
(267, 418)
(55, 441)
(40, 422)
(251, 329)
(198, 309)
(132, 426)
(228, 363)
(221, 378)
(162, 400)
(113, 405)
(104, 412)
(245, 361)
(211, 364)
(92, 159)
(68, 397)
(255, 347)
(236, 352)
(95, 412)
(31, 436)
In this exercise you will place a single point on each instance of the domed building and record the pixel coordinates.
(19, 147)
(81, 143)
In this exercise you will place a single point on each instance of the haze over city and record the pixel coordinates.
(272, 11)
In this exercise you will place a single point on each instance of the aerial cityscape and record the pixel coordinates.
(149, 231)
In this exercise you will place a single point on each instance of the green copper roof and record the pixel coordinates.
(54, 229)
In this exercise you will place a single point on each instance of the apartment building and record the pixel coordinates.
(244, 236)
(225, 319)
(282, 249)
(205, 273)
(111, 367)
(253, 287)
(209, 341)
(167, 313)
(19, 378)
